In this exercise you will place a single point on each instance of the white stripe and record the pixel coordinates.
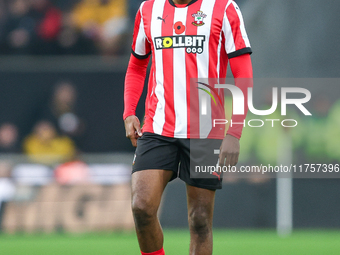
(228, 34)
(219, 47)
(203, 58)
(156, 30)
(141, 37)
(180, 90)
(242, 27)
(207, 7)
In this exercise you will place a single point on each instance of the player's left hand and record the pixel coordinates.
(229, 151)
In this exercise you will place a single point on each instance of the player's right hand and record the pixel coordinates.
(132, 129)
(229, 151)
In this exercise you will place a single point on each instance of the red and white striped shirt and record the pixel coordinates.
(186, 41)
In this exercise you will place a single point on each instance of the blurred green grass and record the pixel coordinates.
(176, 243)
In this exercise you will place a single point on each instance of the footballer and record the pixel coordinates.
(185, 39)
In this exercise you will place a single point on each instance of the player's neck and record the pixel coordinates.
(182, 1)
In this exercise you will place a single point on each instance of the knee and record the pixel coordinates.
(143, 211)
(200, 222)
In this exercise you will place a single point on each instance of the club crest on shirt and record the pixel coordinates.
(199, 17)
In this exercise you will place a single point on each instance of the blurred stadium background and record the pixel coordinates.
(65, 162)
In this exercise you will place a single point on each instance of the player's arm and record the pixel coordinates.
(242, 70)
(238, 49)
(135, 77)
(134, 83)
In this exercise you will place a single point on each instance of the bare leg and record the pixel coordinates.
(200, 216)
(147, 190)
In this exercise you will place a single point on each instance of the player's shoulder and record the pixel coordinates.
(146, 6)
(232, 3)
(149, 3)
(223, 4)
(228, 5)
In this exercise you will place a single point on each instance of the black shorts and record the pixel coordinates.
(182, 156)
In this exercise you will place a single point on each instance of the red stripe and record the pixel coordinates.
(168, 70)
(235, 23)
(223, 59)
(223, 70)
(151, 101)
(146, 116)
(215, 30)
(191, 72)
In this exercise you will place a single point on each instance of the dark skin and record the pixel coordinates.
(182, 1)
(146, 198)
(200, 217)
(132, 129)
(229, 151)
